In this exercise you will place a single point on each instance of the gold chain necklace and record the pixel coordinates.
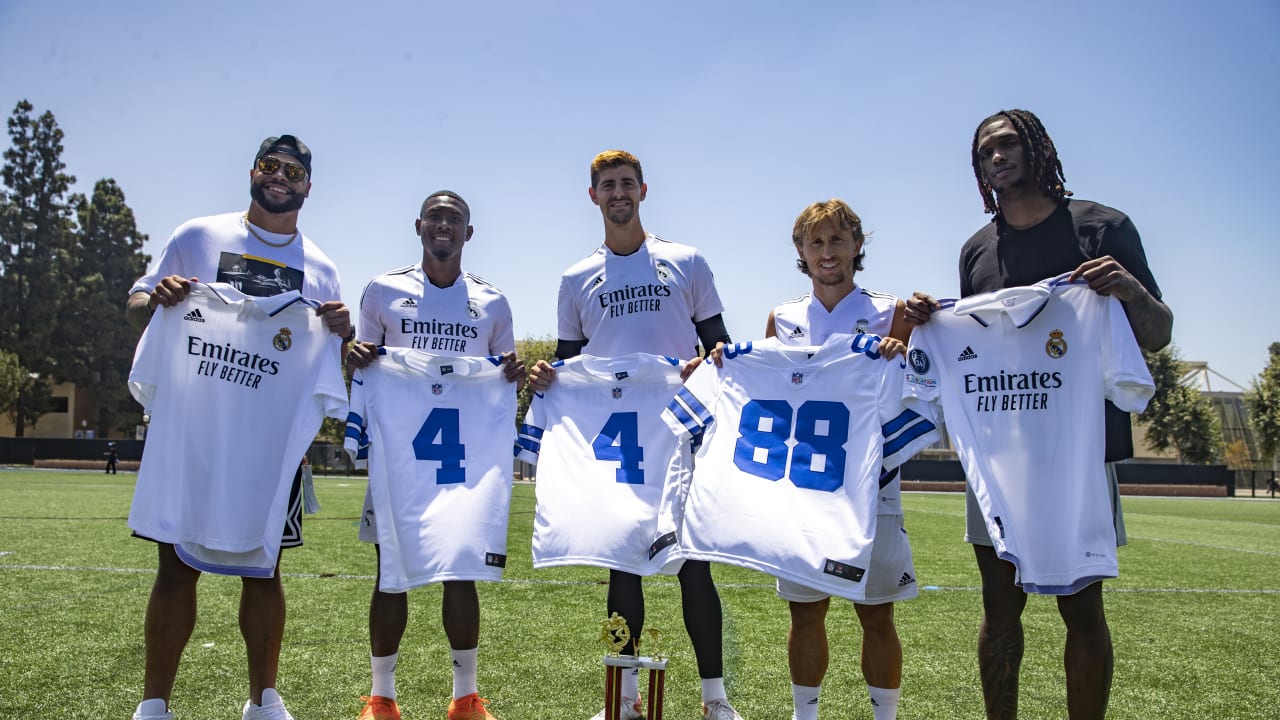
(265, 241)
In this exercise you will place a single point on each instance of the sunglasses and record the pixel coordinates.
(268, 165)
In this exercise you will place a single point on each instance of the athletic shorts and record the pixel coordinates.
(291, 536)
(975, 528)
(891, 577)
(368, 522)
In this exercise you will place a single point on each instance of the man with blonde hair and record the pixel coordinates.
(829, 240)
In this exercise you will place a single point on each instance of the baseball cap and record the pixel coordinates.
(288, 145)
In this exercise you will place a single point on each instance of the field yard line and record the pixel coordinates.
(671, 583)
(1268, 553)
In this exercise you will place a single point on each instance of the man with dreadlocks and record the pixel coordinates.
(1038, 232)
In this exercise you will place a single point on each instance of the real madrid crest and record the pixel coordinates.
(282, 341)
(662, 271)
(473, 310)
(1056, 347)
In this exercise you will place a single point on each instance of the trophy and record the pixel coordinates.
(615, 634)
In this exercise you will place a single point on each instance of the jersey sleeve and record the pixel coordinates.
(356, 440)
(370, 328)
(148, 358)
(329, 385)
(1122, 242)
(704, 300)
(569, 326)
(169, 263)
(1128, 380)
(905, 431)
(529, 437)
(920, 392)
(688, 415)
(503, 339)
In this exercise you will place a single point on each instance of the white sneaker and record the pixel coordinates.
(631, 710)
(719, 710)
(272, 708)
(149, 713)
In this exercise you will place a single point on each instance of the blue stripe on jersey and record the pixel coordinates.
(355, 426)
(495, 359)
(532, 431)
(524, 443)
(892, 447)
(887, 476)
(896, 424)
(682, 415)
(696, 408)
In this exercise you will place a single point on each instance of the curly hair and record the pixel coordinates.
(1037, 146)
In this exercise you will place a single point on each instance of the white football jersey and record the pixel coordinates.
(1019, 376)
(805, 321)
(220, 248)
(793, 442)
(438, 434)
(604, 458)
(647, 301)
(402, 308)
(236, 388)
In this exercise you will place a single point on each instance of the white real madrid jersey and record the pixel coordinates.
(438, 434)
(1019, 377)
(604, 458)
(402, 308)
(236, 388)
(647, 301)
(793, 442)
(805, 321)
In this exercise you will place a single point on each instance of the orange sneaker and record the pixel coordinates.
(379, 708)
(470, 707)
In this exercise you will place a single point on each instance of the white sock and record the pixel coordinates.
(712, 689)
(464, 671)
(631, 684)
(153, 706)
(884, 702)
(805, 701)
(384, 675)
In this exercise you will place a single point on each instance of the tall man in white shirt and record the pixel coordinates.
(265, 239)
(1038, 231)
(436, 307)
(829, 239)
(640, 293)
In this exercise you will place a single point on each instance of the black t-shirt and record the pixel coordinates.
(999, 256)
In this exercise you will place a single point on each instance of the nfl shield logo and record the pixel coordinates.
(436, 388)
(797, 378)
(617, 393)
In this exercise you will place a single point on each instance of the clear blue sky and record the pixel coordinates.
(742, 113)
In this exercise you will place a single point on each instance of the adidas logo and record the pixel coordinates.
(968, 354)
(797, 333)
(598, 281)
(906, 580)
(409, 302)
(194, 316)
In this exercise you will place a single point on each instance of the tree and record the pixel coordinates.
(12, 377)
(1263, 403)
(1178, 417)
(35, 235)
(93, 345)
(531, 350)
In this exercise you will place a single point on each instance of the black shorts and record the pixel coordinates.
(291, 536)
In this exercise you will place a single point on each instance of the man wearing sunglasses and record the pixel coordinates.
(261, 252)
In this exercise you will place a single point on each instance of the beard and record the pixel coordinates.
(621, 217)
(273, 204)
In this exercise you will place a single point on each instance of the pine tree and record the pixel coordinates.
(35, 235)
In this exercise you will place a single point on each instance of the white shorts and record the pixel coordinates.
(891, 577)
(975, 527)
(368, 523)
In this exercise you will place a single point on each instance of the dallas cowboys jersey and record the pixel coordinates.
(437, 434)
(805, 321)
(236, 388)
(604, 457)
(1019, 376)
(402, 308)
(794, 439)
(647, 301)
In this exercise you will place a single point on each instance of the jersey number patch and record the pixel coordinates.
(817, 459)
(442, 423)
(619, 441)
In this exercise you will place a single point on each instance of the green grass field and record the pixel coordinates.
(1195, 618)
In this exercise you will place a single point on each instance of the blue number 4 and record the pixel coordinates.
(619, 441)
(449, 452)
